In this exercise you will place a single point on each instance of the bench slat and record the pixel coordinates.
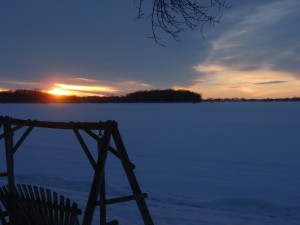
(32, 205)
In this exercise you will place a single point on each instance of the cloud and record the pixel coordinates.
(263, 48)
(265, 36)
(77, 85)
(87, 86)
(18, 84)
(220, 80)
(271, 82)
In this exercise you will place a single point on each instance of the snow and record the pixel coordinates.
(222, 163)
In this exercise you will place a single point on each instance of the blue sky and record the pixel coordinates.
(97, 47)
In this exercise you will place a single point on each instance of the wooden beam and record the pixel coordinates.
(122, 199)
(85, 149)
(59, 125)
(3, 174)
(14, 129)
(9, 157)
(111, 149)
(97, 180)
(20, 125)
(102, 195)
(29, 129)
(92, 134)
(131, 177)
(2, 136)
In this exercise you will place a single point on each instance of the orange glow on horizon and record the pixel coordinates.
(57, 91)
(80, 90)
(86, 88)
(221, 81)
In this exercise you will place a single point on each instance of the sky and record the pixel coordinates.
(99, 48)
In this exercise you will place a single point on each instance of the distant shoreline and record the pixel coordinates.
(149, 96)
(294, 99)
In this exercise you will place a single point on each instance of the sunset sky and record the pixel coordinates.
(97, 47)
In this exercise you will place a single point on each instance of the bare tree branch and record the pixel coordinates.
(176, 16)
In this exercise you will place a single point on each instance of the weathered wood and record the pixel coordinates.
(74, 219)
(50, 211)
(67, 214)
(92, 134)
(9, 156)
(56, 213)
(85, 149)
(3, 214)
(111, 149)
(29, 206)
(44, 210)
(61, 213)
(59, 125)
(122, 199)
(14, 129)
(3, 174)
(131, 177)
(22, 138)
(103, 198)
(47, 208)
(96, 184)
(39, 210)
(114, 222)
(20, 125)
(3, 192)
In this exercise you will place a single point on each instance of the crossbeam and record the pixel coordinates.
(97, 196)
(122, 199)
(59, 125)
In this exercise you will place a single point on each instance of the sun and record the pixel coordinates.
(57, 91)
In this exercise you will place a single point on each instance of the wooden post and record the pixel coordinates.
(131, 177)
(102, 191)
(9, 151)
(98, 178)
(102, 199)
(98, 184)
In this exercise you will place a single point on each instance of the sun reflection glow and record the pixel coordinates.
(81, 90)
(85, 88)
(57, 91)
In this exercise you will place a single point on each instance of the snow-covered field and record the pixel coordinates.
(217, 164)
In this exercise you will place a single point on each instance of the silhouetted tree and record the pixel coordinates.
(37, 96)
(175, 16)
(167, 95)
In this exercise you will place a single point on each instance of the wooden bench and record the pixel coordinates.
(32, 205)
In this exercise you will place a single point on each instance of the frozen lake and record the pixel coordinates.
(217, 164)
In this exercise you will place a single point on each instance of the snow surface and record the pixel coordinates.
(217, 164)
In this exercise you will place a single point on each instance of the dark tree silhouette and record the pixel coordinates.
(175, 16)
(168, 95)
(37, 96)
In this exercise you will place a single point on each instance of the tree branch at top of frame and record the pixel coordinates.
(176, 16)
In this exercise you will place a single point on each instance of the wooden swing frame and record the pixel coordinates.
(97, 195)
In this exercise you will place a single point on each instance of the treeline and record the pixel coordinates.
(150, 96)
(293, 99)
(168, 95)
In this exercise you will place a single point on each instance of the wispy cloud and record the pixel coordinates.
(69, 84)
(226, 81)
(271, 82)
(82, 79)
(86, 86)
(260, 50)
(19, 84)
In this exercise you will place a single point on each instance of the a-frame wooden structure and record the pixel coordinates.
(97, 196)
